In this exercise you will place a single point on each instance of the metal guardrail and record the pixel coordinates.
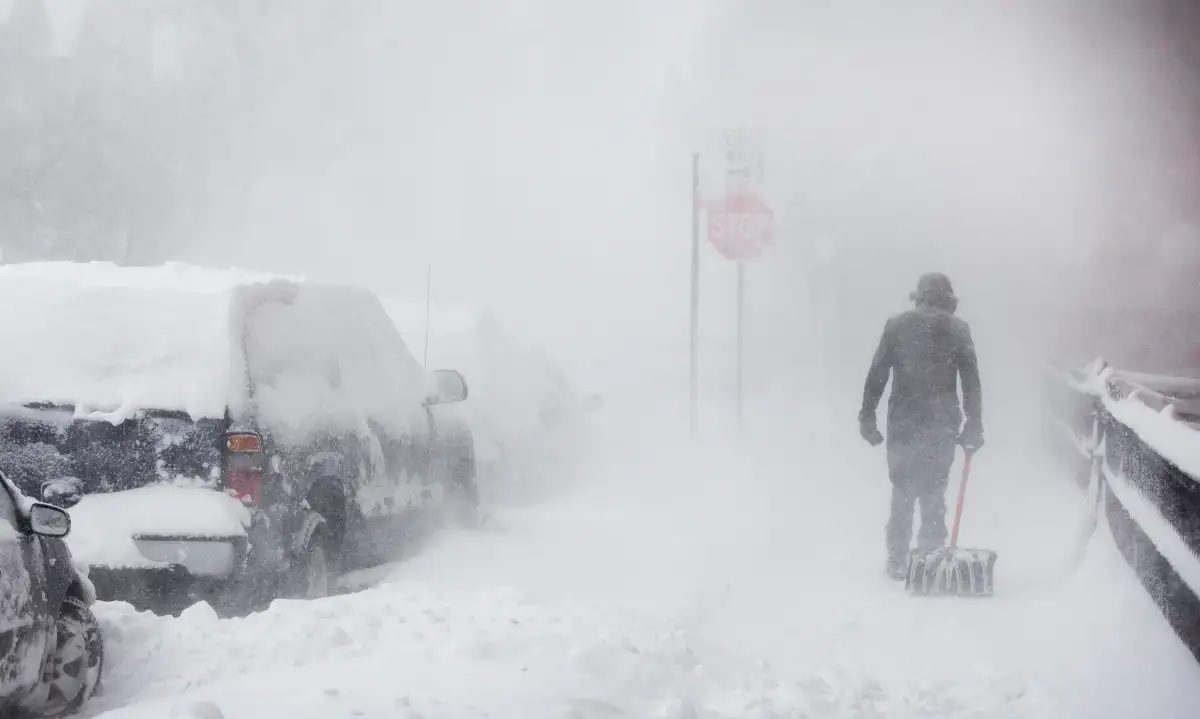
(1151, 504)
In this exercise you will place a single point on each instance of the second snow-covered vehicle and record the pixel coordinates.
(222, 435)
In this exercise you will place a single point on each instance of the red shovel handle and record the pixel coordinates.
(962, 495)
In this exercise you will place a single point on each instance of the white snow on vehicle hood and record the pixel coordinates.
(103, 525)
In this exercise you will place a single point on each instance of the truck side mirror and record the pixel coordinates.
(48, 520)
(451, 387)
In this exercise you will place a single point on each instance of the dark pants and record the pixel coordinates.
(919, 466)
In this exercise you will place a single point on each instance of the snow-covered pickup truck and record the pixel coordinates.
(222, 435)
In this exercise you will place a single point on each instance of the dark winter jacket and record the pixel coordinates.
(926, 350)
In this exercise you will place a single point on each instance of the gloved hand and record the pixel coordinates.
(971, 438)
(870, 431)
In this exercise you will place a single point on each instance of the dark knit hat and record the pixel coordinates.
(934, 288)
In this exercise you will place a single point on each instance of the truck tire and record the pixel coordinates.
(463, 496)
(315, 572)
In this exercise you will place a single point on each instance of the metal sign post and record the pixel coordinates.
(428, 299)
(741, 334)
(694, 377)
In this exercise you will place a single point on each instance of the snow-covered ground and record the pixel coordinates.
(676, 580)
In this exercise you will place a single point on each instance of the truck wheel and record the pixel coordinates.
(462, 494)
(72, 671)
(316, 576)
(464, 504)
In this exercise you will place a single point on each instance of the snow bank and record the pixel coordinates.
(419, 650)
(118, 339)
(103, 525)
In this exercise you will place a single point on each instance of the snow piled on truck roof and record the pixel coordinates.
(112, 340)
(117, 339)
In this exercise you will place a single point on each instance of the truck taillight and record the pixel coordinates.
(244, 466)
(246, 484)
(243, 442)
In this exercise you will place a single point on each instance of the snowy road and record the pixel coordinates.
(689, 583)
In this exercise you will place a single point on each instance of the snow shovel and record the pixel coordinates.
(952, 569)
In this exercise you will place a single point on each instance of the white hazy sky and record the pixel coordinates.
(536, 153)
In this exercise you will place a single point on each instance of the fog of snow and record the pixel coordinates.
(531, 161)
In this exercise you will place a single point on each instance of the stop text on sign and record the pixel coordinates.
(740, 226)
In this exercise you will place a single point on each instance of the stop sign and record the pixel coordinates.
(740, 226)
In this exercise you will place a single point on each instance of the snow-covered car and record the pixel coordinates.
(51, 653)
(228, 436)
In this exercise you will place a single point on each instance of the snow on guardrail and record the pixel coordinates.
(1162, 411)
(1142, 434)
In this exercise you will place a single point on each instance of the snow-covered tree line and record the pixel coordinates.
(125, 129)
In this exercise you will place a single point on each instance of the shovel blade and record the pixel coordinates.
(952, 571)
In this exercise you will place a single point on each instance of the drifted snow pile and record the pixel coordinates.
(414, 650)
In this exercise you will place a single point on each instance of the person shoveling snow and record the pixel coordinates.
(925, 350)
